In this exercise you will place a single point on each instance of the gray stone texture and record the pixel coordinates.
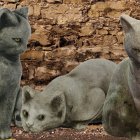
(72, 100)
(14, 34)
(122, 106)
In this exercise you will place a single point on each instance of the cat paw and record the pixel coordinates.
(5, 133)
(79, 126)
(137, 137)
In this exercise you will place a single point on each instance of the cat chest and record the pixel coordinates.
(135, 92)
(9, 74)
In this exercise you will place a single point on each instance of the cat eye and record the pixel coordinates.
(25, 113)
(18, 40)
(41, 117)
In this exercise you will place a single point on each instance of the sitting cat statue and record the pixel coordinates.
(71, 100)
(14, 33)
(121, 110)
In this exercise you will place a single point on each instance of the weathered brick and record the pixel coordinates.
(33, 55)
(36, 10)
(10, 6)
(69, 32)
(63, 13)
(10, 0)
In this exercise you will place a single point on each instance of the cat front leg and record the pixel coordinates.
(16, 119)
(5, 133)
(137, 137)
(5, 118)
(7, 103)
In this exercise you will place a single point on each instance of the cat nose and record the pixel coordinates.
(29, 124)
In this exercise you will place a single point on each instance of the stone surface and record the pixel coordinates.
(10, 6)
(33, 55)
(65, 33)
(41, 38)
(10, 0)
(36, 9)
(63, 13)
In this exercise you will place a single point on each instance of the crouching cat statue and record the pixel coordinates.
(14, 33)
(121, 111)
(72, 100)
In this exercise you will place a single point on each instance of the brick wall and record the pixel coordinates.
(67, 32)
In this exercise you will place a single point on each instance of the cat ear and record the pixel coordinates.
(22, 12)
(7, 18)
(27, 94)
(57, 101)
(128, 22)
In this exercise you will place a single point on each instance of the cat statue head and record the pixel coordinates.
(14, 31)
(131, 29)
(41, 111)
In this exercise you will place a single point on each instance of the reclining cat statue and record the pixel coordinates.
(72, 100)
(14, 33)
(121, 111)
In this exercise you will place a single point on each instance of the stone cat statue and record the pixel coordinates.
(72, 100)
(14, 33)
(121, 110)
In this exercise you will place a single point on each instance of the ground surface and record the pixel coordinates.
(93, 132)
